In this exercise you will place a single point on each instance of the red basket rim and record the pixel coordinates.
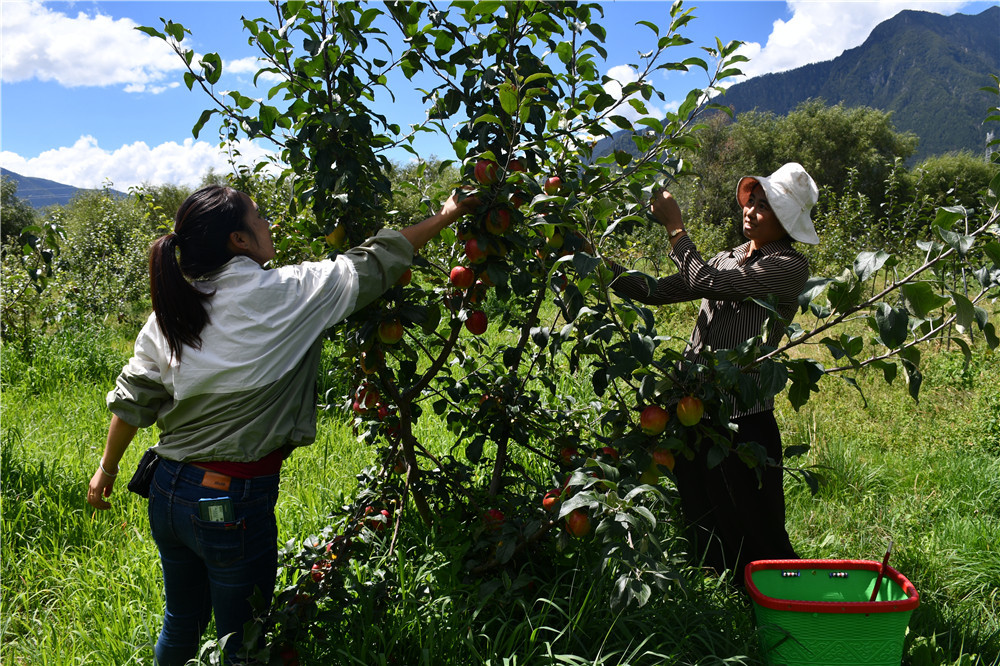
(912, 598)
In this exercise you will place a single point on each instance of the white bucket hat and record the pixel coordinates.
(792, 193)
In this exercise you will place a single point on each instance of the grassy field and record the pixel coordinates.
(84, 588)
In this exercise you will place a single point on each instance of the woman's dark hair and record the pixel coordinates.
(197, 246)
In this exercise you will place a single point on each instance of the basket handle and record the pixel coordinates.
(881, 572)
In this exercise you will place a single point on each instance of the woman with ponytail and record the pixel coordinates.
(226, 368)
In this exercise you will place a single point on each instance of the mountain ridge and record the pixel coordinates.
(924, 68)
(41, 192)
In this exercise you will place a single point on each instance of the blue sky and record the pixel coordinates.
(86, 99)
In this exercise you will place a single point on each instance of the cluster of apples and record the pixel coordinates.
(367, 401)
(577, 521)
(653, 419)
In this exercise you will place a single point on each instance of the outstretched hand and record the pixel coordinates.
(666, 211)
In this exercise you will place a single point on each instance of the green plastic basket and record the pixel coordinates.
(818, 613)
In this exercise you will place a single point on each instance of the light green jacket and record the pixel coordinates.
(251, 387)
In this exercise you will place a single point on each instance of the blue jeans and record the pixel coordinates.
(210, 566)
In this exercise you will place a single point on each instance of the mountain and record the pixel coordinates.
(39, 192)
(925, 68)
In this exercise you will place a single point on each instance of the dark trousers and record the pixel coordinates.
(730, 520)
(210, 567)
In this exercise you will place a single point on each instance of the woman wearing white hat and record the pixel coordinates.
(732, 519)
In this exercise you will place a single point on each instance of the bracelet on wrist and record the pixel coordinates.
(100, 463)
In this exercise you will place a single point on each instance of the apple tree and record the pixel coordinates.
(503, 308)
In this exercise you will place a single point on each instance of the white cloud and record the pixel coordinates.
(819, 31)
(85, 50)
(622, 75)
(85, 164)
(250, 66)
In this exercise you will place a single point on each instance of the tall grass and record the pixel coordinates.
(80, 587)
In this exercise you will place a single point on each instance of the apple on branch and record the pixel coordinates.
(498, 221)
(476, 322)
(663, 457)
(474, 251)
(578, 523)
(690, 410)
(486, 172)
(462, 277)
(553, 184)
(653, 420)
(390, 331)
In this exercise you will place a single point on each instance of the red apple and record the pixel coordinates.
(498, 221)
(567, 454)
(663, 457)
(690, 410)
(390, 331)
(494, 519)
(552, 185)
(476, 323)
(289, 655)
(405, 278)
(653, 420)
(610, 452)
(374, 523)
(462, 277)
(478, 292)
(578, 523)
(319, 569)
(551, 499)
(474, 251)
(367, 395)
(516, 165)
(486, 172)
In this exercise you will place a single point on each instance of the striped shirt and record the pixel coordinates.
(725, 283)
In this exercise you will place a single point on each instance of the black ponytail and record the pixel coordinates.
(197, 246)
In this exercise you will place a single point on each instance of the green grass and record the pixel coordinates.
(80, 587)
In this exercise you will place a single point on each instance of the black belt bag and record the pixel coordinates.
(143, 476)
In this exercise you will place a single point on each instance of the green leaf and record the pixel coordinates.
(888, 368)
(992, 250)
(921, 300)
(211, 64)
(958, 242)
(508, 97)
(805, 375)
(868, 263)
(584, 263)
(443, 42)
(205, 115)
(947, 216)
(911, 368)
(487, 118)
(773, 377)
(964, 311)
(893, 325)
(642, 348)
(813, 288)
(715, 456)
(845, 293)
(151, 32)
